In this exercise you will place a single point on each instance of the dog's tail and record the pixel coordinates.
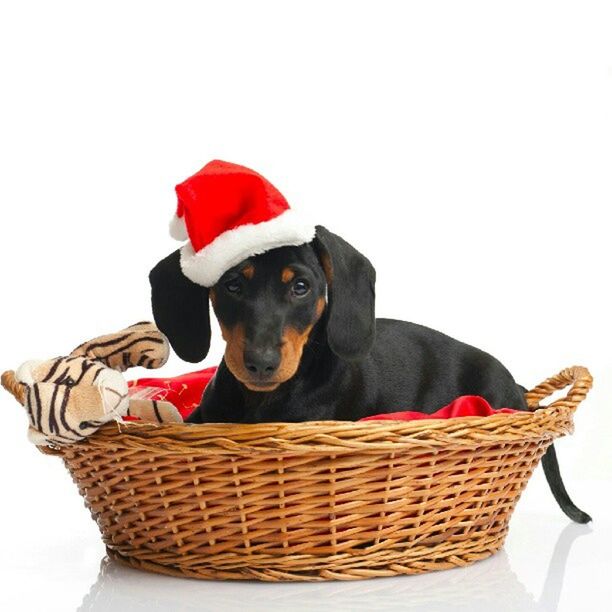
(555, 482)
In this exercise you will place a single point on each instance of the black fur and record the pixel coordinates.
(352, 365)
(181, 309)
(351, 323)
(553, 476)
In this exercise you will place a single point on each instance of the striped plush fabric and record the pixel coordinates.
(141, 344)
(69, 398)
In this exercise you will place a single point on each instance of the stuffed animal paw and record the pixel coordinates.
(69, 398)
(141, 344)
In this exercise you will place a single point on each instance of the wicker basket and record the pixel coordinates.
(315, 501)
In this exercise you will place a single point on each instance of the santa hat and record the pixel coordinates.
(227, 213)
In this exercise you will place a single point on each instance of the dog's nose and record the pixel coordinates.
(262, 363)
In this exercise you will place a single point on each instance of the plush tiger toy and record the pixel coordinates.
(69, 398)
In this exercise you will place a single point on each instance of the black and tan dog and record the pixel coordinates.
(303, 344)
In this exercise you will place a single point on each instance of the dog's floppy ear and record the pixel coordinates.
(180, 309)
(351, 325)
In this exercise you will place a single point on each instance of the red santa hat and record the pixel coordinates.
(227, 213)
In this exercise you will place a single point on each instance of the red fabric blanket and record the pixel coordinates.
(463, 406)
(185, 392)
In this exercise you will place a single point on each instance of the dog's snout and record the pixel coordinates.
(261, 362)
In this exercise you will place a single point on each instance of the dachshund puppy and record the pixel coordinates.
(303, 344)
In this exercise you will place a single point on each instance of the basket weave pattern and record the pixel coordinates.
(315, 501)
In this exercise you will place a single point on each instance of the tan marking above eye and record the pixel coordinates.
(248, 271)
(287, 275)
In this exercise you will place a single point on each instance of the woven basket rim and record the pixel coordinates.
(144, 429)
(541, 423)
(337, 436)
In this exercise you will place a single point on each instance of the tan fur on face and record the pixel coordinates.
(320, 307)
(287, 275)
(234, 349)
(248, 271)
(234, 357)
(293, 346)
(291, 352)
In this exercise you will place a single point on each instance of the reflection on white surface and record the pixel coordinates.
(485, 585)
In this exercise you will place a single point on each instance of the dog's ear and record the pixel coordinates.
(351, 323)
(180, 309)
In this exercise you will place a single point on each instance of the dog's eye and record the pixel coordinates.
(300, 287)
(233, 286)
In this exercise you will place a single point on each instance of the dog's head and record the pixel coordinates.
(267, 307)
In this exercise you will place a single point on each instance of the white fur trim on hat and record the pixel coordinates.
(209, 264)
(178, 229)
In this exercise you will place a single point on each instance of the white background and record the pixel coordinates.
(465, 147)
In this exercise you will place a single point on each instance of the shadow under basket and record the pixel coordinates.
(315, 501)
